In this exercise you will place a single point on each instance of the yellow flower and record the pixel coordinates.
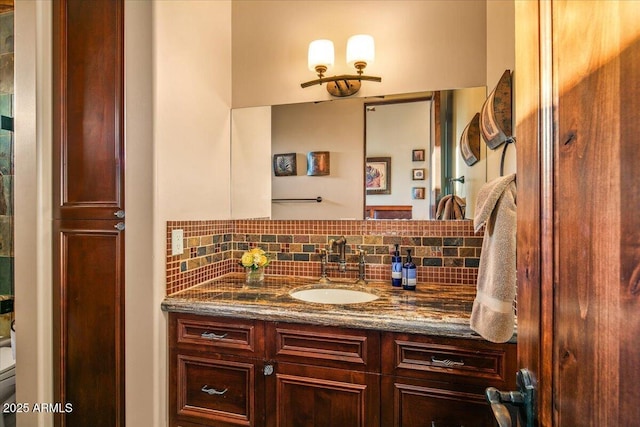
(247, 259)
(255, 258)
(261, 260)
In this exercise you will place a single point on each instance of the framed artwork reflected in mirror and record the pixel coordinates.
(378, 175)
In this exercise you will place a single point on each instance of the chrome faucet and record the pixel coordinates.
(338, 246)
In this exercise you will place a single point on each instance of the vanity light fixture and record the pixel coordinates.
(360, 52)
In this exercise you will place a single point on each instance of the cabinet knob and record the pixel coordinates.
(119, 226)
(119, 214)
(268, 370)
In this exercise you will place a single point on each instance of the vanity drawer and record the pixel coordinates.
(448, 359)
(219, 391)
(324, 346)
(224, 335)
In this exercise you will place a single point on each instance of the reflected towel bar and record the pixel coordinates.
(317, 199)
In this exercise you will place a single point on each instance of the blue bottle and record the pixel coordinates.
(396, 268)
(409, 274)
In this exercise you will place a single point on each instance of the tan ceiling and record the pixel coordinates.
(6, 5)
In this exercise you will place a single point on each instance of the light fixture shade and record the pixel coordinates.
(320, 53)
(360, 48)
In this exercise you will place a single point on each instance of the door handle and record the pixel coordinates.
(523, 399)
(500, 411)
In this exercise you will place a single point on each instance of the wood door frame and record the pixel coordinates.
(535, 243)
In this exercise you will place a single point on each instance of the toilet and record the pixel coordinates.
(7, 379)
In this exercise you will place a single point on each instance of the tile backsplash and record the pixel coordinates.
(444, 251)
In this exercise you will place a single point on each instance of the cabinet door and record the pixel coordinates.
(220, 392)
(416, 403)
(309, 396)
(89, 353)
(88, 201)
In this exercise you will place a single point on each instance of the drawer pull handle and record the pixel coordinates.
(212, 336)
(212, 391)
(446, 362)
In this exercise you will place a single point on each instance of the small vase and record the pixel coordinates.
(255, 276)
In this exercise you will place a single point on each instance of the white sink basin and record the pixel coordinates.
(326, 294)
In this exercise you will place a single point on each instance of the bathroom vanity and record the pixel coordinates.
(255, 356)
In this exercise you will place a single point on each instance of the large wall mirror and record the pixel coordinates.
(412, 57)
(410, 137)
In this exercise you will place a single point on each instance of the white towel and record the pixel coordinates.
(492, 315)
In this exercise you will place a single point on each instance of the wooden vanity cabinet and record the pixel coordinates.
(239, 372)
(216, 371)
(324, 376)
(440, 382)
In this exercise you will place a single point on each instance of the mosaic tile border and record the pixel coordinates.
(445, 251)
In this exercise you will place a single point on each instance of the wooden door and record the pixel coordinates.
(597, 169)
(578, 189)
(88, 188)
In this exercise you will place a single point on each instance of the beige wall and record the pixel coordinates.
(191, 73)
(420, 45)
(336, 127)
(145, 332)
(192, 91)
(250, 163)
(33, 208)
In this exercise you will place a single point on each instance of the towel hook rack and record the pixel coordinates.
(510, 140)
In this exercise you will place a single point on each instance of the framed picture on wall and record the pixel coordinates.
(378, 175)
(318, 163)
(417, 192)
(417, 174)
(417, 155)
(284, 164)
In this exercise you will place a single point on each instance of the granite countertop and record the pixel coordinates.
(433, 309)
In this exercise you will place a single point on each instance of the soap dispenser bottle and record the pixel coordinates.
(396, 268)
(409, 273)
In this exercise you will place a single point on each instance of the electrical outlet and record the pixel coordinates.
(177, 242)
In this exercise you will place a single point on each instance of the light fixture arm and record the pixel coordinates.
(342, 85)
(321, 69)
(345, 77)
